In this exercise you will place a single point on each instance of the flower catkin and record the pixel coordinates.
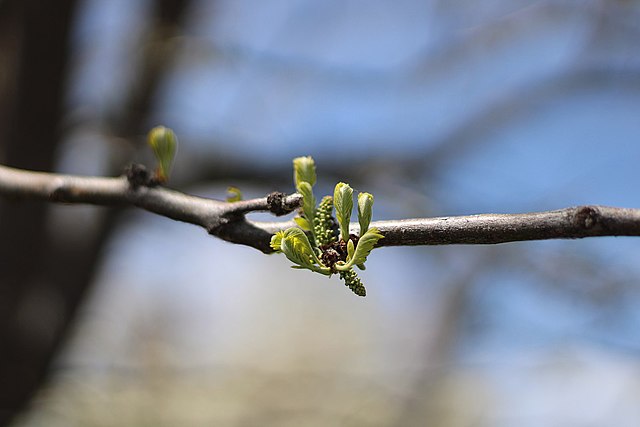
(325, 226)
(354, 283)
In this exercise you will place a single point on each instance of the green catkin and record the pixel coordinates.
(354, 283)
(324, 223)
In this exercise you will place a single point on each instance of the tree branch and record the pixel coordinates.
(219, 218)
(227, 220)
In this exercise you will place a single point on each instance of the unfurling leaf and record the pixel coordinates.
(343, 202)
(365, 205)
(276, 241)
(304, 170)
(350, 250)
(364, 248)
(302, 223)
(308, 202)
(295, 245)
(234, 194)
(164, 143)
(314, 243)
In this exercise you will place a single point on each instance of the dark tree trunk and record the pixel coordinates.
(42, 281)
(32, 314)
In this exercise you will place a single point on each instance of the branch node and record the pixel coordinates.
(58, 195)
(139, 176)
(586, 217)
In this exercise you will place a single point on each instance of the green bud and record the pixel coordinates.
(164, 143)
(365, 246)
(314, 244)
(297, 248)
(350, 250)
(304, 170)
(343, 202)
(276, 241)
(308, 202)
(365, 205)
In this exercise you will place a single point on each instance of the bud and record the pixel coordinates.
(365, 204)
(343, 202)
(304, 170)
(163, 142)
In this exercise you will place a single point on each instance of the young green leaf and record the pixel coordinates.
(350, 250)
(276, 241)
(365, 246)
(318, 249)
(308, 202)
(295, 245)
(304, 170)
(302, 223)
(363, 249)
(164, 143)
(343, 202)
(365, 204)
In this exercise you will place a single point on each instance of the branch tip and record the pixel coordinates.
(587, 217)
(280, 204)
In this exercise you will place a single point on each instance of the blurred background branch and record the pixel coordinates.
(33, 263)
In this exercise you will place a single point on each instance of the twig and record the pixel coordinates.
(222, 219)
(227, 220)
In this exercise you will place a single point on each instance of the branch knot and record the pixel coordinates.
(586, 217)
(139, 176)
(279, 204)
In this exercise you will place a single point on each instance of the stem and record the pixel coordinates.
(227, 220)
(485, 229)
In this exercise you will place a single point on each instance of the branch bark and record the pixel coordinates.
(227, 220)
